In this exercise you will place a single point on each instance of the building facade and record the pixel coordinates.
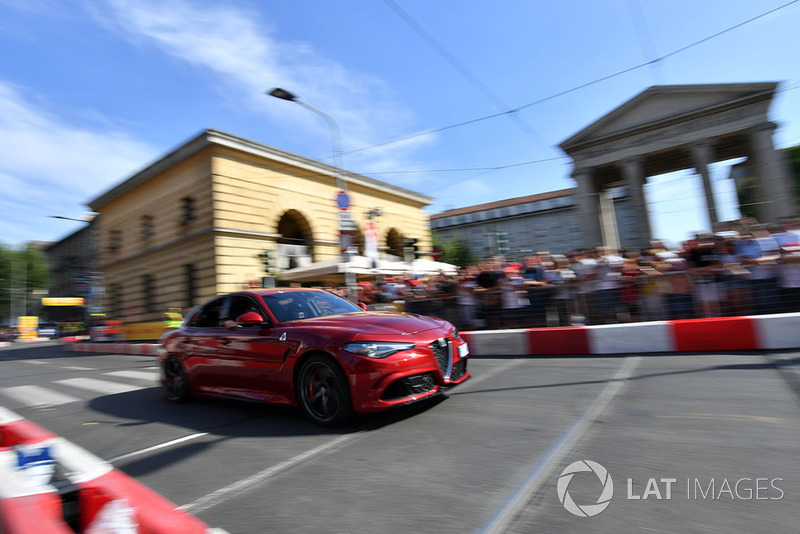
(197, 222)
(521, 226)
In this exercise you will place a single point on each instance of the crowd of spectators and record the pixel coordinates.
(713, 275)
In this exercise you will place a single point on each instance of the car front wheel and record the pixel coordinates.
(175, 380)
(322, 392)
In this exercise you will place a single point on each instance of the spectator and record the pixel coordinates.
(465, 298)
(789, 279)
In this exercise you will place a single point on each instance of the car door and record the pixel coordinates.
(252, 354)
(200, 345)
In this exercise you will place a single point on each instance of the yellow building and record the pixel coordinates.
(194, 223)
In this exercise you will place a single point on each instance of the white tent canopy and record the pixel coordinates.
(362, 266)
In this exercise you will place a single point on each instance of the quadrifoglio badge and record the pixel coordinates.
(661, 488)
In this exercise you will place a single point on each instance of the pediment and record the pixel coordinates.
(662, 103)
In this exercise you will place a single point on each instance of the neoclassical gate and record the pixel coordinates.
(670, 128)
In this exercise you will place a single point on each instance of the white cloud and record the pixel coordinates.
(244, 53)
(68, 165)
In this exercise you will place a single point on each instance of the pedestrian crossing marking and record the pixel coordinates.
(98, 386)
(136, 375)
(37, 396)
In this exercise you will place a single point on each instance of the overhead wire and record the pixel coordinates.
(575, 88)
(544, 160)
(459, 66)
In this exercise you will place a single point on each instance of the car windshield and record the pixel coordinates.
(298, 305)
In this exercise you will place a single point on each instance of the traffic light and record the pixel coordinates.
(265, 259)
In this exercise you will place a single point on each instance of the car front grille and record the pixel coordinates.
(410, 385)
(443, 352)
(459, 369)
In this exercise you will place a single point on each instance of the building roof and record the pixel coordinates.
(212, 137)
(504, 203)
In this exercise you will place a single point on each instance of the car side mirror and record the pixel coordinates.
(362, 306)
(250, 318)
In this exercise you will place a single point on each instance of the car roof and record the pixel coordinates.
(279, 290)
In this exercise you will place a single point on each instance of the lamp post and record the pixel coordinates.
(83, 271)
(341, 182)
(336, 136)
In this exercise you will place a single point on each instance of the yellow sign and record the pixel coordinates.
(62, 301)
(144, 331)
(27, 325)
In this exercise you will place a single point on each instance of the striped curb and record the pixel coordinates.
(762, 332)
(89, 488)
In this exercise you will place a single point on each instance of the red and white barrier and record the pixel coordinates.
(105, 496)
(762, 332)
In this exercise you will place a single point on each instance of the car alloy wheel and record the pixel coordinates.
(323, 393)
(175, 381)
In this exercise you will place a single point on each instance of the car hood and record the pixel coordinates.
(376, 323)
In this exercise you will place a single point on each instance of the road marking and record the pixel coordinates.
(722, 417)
(157, 447)
(37, 396)
(78, 368)
(232, 490)
(98, 386)
(550, 459)
(136, 375)
(35, 362)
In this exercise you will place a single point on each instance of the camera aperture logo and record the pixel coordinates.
(586, 510)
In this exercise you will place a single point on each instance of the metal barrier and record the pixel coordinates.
(671, 296)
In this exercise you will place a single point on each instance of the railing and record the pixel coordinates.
(680, 295)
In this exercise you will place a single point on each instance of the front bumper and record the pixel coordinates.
(406, 377)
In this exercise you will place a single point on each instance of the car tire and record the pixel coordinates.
(175, 381)
(323, 393)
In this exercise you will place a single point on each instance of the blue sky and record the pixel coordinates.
(91, 92)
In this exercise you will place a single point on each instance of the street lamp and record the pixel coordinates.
(336, 136)
(341, 182)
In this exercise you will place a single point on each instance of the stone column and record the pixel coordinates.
(774, 188)
(701, 157)
(588, 207)
(634, 178)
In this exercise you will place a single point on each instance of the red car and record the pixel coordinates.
(312, 349)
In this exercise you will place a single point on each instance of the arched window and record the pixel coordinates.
(295, 246)
(394, 243)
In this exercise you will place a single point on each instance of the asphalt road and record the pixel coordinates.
(719, 432)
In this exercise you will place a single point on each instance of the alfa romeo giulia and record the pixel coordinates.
(312, 349)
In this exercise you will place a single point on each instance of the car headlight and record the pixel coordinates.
(376, 349)
(456, 333)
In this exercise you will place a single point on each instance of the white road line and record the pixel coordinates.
(136, 375)
(35, 362)
(78, 368)
(157, 447)
(550, 459)
(36, 396)
(98, 386)
(229, 492)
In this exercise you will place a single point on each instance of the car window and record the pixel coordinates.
(241, 304)
(209, 315)
(299, 305)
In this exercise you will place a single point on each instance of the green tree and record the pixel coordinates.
(456, 252)
(21, 272)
